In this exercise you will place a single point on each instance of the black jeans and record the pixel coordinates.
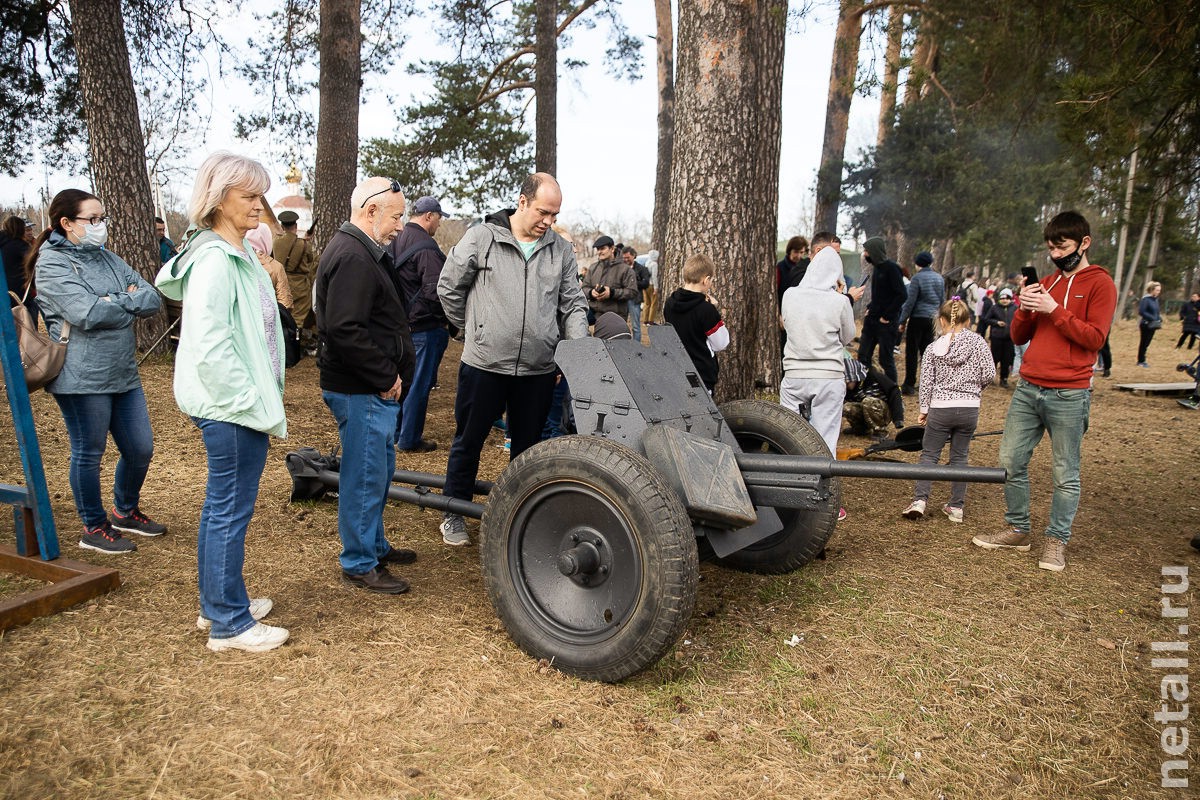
(1144, 342)
(875, 333)
(917, 336)
(1003, 354)
(482, 397)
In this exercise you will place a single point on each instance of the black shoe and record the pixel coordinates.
(103, 539)
(422, 446)
(398, 555)
(1107, 373)
(907, 390)
(1196, 541)
(377, 580)
(136, 522)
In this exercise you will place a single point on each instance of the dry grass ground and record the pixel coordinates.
(926, 667)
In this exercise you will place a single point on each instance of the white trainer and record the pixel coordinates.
(915, 510)
(258, 639)
(259, 608)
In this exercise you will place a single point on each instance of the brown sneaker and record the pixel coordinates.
(1009, 537)
(1054, 555)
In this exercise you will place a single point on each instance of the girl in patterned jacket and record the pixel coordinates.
(954, 371)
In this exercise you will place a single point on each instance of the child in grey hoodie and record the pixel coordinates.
(819, 324)
(954, 371)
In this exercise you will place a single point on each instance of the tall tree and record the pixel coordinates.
(665, 57)
(115, 139)
(468, 139)
(837, 113)
(725, 173)
(337, 127)
(545, 86)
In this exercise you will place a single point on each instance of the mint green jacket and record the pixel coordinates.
(223, 370)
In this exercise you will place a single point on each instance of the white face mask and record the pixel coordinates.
(95, 235)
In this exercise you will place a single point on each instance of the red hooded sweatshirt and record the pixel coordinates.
(1063, 344)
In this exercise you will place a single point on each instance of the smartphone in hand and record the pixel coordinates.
(1031, 276)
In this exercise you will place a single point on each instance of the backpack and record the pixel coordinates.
(292, 351)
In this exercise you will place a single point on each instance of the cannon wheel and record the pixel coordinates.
(762, 427)
(589, 557)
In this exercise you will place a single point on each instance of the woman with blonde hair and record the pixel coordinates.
(229, 379)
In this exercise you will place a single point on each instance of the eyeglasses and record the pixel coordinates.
(93, 220)
(394, 188)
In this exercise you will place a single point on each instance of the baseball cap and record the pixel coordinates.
(426, 204)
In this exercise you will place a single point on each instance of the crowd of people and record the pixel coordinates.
(383, 299)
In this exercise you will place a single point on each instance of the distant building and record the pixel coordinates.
(294, 200)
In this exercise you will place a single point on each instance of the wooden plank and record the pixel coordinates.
(71, 583)
(1157, 389)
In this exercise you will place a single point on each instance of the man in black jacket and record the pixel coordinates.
(366, 364)
(419, 262)
(881, 326)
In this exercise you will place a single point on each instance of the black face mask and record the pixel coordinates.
(1068, 262)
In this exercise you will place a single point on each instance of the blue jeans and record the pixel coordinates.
(89, 419)
(635, 318)
(428, 347)
(236, 457)
(1034, 410)
(367, 429)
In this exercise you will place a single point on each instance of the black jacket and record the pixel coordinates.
(887, 292)
(994, 314)
(13, 252)
(364, 338)
(693, 318)
(419, 275)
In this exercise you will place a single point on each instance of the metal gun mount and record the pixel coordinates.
(590, 543)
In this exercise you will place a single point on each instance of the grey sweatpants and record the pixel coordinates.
(955, 425)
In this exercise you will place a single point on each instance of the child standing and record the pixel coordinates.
(694, 314)
(998, 318)
(954, 371)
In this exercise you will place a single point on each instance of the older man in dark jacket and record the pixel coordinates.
(419, 264)
(366, 364)
(881, 326)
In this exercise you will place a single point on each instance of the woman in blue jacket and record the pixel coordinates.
(229, 379)
(99, 390)
(1150, 319)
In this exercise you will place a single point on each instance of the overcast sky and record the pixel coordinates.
(606, 130)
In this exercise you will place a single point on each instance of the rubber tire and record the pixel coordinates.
(662, 584)
(763, 427)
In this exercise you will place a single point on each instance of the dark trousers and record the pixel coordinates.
(1184, 336)
(1106, 356)
(1003, 353)
(917, 336)
(482, 397)
(1144, 342)
(875, 333)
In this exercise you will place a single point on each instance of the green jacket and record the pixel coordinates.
(223, 370)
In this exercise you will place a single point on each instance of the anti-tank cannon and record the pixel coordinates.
(590, 543)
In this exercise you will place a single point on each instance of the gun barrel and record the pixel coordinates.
(829, 467)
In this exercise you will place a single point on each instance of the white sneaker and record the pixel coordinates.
(915, 510)
(258, 639)
(454, 530)
(259, 608)
(952, 513)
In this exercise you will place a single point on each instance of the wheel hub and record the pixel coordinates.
(585, 557)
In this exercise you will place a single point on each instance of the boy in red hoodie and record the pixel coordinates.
(1065, 318)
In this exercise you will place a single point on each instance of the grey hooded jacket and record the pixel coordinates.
(88, 287)
(512, 312)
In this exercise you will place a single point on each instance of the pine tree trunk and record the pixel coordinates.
(545, 87)
(337, 126)
(665, 45)
(921, 69)
(891, 74)
(725, 174)
(115, 145)
(837, 114)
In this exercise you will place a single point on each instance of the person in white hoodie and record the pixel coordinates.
(819, 323)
